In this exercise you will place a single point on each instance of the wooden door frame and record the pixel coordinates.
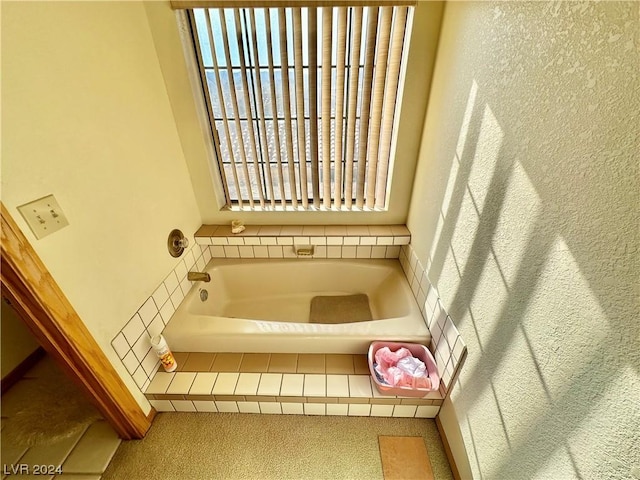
(47, 312)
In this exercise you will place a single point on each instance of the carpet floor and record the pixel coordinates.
(263, 447)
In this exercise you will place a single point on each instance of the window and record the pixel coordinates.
(302, 102)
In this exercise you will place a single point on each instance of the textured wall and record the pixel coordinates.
(85, 116)
(525, 209)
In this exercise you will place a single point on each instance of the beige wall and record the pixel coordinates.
(17, 342)
(421, 57)
(85, 116)
(525, 210)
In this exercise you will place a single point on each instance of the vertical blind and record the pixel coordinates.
(302, 101)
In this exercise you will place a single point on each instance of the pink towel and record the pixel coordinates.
(401, 368)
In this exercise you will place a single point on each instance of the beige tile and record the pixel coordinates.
(255, 362)
(338, 385)
(404, 411)
(198, 362)
(160, 382)
(249, 231)
(292, 408)
(315, 230)
(425, 411)
(361, 365)
(322, 400)
(291, 399)
(335, 230)
(94, 451)
(270, 230)
(223, 231)
(205, 406)
(400, 230)
(270, 384)
(415, 401)
(315, 386)
(339, 364)
(225, 384)
(206, 231)
(381, 410)
(385, 401)
(360, 386)
(270, 408)
(283, 363)
(362, 410)
(200, 398)
(11, 454)
(337, 409)
(247, 384)
(248, 407)
(226, 362)
(311, 363)
(292, 385)
(228, 407)
(230, 398)
(181, 383)
(203, 383)
(291, 230)
(380, 230)
(173, 396)
(183, 405)
(358, 231)
(51, 454)
(314, 409)
(353, 400)
(260, 398)
(181, 358)
(162, 405)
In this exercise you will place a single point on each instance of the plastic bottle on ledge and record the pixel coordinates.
(163, 352)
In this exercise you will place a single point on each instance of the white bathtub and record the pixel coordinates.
(257, 305)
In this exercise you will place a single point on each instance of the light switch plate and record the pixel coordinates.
(44, 216)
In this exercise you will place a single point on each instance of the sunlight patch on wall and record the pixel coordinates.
(464, 128)
(451, 181)
(486, 315)
(485, 159)
(516, 223)
(564, 321)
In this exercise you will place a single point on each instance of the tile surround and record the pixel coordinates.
(132, 342)
(447, 346)
(330, 241)
(283, 383)
(266, 392)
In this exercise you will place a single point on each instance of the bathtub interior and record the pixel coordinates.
(265, 291)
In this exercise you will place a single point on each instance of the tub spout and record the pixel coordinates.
(198, 277)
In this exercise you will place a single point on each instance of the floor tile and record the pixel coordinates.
(94, 451)
(53, 454)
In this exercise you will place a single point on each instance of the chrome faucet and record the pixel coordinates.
(198, 277)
